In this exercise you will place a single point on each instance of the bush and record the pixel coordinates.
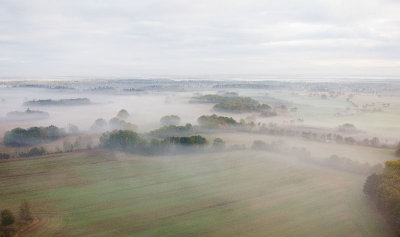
(7, 218)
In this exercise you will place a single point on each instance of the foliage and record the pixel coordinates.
(123, 114)
(4, 156)
(122, 140)
(99, 125)
(119, 124)
(218, 144)
(169, 120)
(25, 212)
(62, 102)
(239, 107)
(214, 121)
(384, 191)
(32, 136)
(7, 218)
(224, 99)
(188, 141)
(35, 151)
(27, 115)
(173, 130)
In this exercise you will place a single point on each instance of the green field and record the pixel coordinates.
(241, 193)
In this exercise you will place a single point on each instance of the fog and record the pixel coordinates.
(230, 144)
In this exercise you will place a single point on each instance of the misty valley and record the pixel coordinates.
(166, 157)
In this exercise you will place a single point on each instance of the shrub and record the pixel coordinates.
(7, 218)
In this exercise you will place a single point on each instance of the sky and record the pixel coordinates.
(122, 38)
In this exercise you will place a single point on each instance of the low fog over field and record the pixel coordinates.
(152, 156)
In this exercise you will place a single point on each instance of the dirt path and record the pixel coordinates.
(37, 222)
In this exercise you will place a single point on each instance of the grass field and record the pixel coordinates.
(245, 193)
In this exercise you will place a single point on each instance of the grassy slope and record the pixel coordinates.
(232, 193)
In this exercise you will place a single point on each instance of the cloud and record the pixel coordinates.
(128, 38)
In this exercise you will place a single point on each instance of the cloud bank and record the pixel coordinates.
(167, 37)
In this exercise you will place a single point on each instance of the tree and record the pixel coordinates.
(25, 211)
(122, 140)
(7, 218)
(218, 144)
(99, 125)
(170, 120)
(123, 114)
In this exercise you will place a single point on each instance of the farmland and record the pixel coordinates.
(252, 193)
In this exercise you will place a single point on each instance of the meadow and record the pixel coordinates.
(240, 193)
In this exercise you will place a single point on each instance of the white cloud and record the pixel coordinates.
(127, 38)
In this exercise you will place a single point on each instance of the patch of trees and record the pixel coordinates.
(173, 130)
(10, 224)
(170, 120)
(124, 140)
(333, 162)
(61, 102)
(119, 124)
(235, 104)
(384, 190)
(130, 141)
(27, 115)
(214, 121)
(35, 151)
(32, 136)
(4, 156)
(347, 128)
(223, 99)
(100, 125)
(239, 107)
(274, 129)
(187, 141)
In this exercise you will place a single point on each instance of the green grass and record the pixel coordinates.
(245, 193)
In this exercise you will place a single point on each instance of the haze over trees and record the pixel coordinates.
(170, 120)
(61, 102)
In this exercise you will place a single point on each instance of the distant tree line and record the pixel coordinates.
(130, 141)
(61, 102)
(173, 130)
(333, 161)
(32, 136)
(233, 103)
(214, 121)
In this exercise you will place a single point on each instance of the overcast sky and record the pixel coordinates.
(182, 37)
